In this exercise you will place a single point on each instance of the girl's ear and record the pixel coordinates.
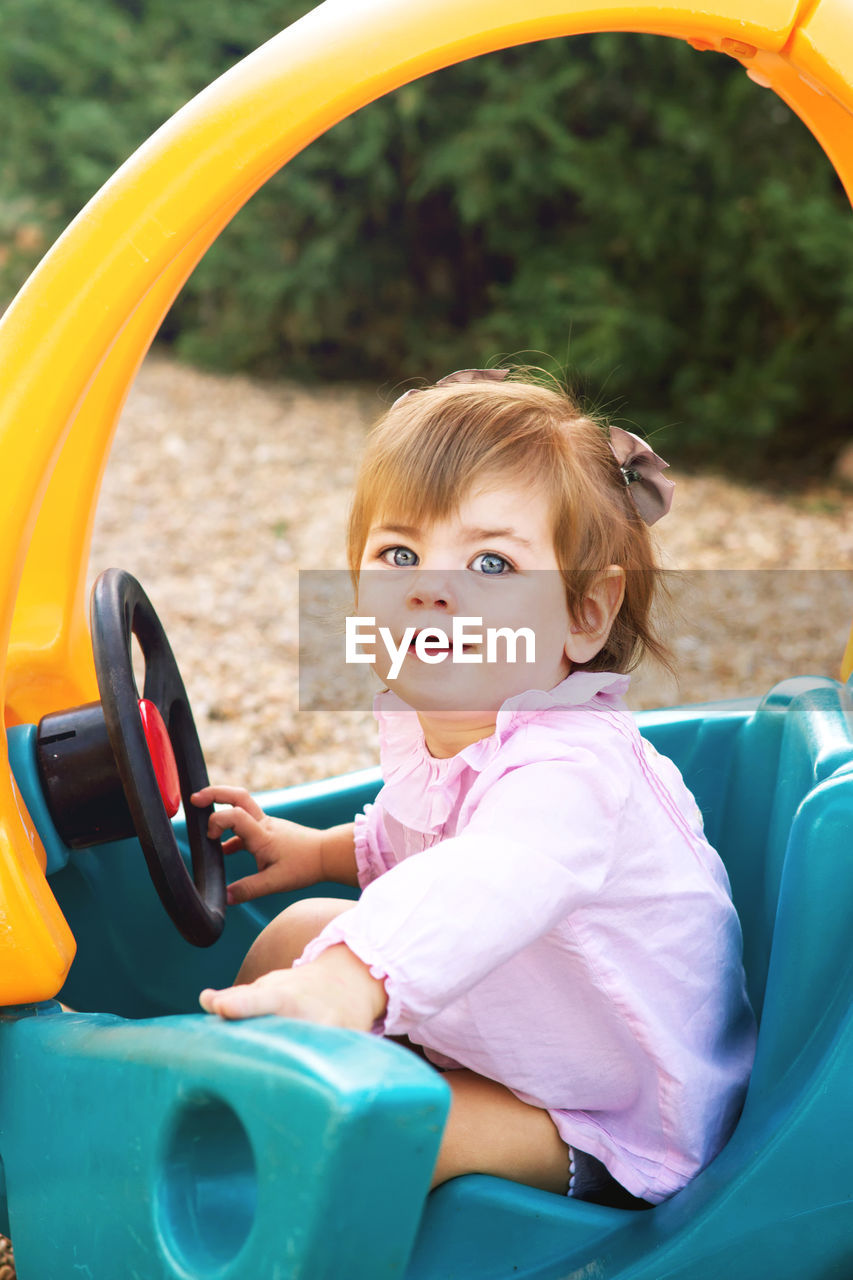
(602, 603)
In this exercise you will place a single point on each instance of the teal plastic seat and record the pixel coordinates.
(775, 782)
(146, 1139)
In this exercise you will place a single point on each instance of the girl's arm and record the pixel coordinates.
(541, 844)
(289, 855)
(435, 924)
(337, 855)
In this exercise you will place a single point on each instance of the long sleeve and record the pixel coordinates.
(436, 924)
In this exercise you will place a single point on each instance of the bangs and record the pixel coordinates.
(431, 450)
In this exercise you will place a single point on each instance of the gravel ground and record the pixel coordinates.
(219, 490)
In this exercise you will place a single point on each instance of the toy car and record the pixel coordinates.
(143, 1139)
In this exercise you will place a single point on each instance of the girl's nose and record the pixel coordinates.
(432, 589)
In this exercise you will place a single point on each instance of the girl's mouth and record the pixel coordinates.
(433, 645)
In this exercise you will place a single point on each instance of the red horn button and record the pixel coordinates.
(162, 756)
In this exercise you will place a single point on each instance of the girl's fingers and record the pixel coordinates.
(250, 1001)
(309, 993)
(237, 820)
(236, 797)
(255, 886)
(208, 1001)
(281, 992)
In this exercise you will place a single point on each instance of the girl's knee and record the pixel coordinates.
(286, 937)
(308, 917)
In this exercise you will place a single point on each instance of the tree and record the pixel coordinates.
(658, 225)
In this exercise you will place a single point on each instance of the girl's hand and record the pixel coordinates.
(289, 856)
(336, 990)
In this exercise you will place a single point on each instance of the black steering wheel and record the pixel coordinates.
(123, 765)
(120, 609)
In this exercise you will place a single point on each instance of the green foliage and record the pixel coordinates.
(666, 231)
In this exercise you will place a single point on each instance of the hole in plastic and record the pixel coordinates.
(208, 1192)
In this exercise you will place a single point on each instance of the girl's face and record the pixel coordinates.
(492, 563)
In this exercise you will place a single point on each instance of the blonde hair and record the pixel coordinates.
(432, 448)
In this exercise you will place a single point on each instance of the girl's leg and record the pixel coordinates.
(286, 937)
(490, 1130)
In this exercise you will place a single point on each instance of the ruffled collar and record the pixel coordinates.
(421, 790)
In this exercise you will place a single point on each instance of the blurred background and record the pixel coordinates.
(635, 214)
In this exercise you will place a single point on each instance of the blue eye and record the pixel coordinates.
(491, 563)
(400, 557)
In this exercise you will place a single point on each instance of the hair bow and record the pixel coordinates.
(461, 375)
(642, 470)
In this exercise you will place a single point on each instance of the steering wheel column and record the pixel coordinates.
(80, 778)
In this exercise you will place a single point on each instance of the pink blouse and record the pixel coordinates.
(565, 928)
